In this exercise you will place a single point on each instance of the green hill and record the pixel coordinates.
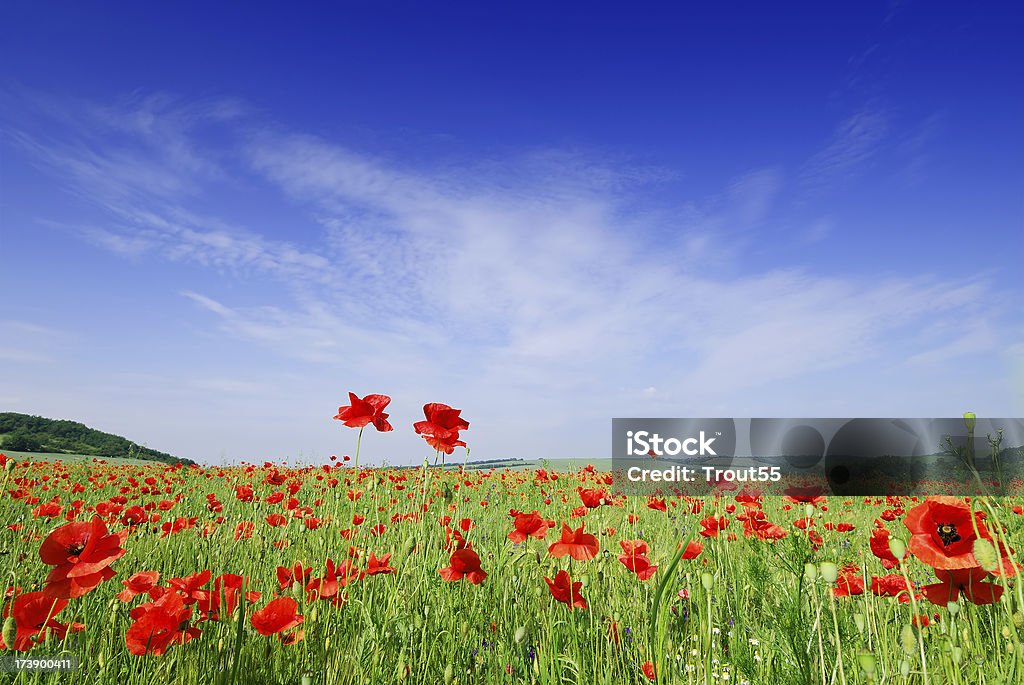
(24, 433)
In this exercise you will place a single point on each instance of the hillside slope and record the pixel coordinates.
(25, 433)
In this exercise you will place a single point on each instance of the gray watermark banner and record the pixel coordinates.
(826, 456)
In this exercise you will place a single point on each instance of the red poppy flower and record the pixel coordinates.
(144, 581)
(657, 504)
(160, 624)
(442, 426)
(361, 412)
(638, 564)
(633, 547)
(279, 615)
(225, 596)
(577, 544)
(648, 669)
(593, 498)
(34, 614)
(296, 574)
(81, 553)
(693, 549)
(328, 586)
(942, 534)
(464, 563)
(893, 586)
(849, 583)
(713, 526)
(966, 581)
(190, 587)
(566, 592)
(880, 548)
(529, 525)
(375, 566)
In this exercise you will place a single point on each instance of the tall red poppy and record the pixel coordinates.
(879, 544)
(577, 544)
(712, 526)
(566, 592)
(137, 583)
(593, 497)
(279, 615)
(464, 563)
(361, 412)
(529, 525)
(160, 624)
(942, 534)
(375, 566)
(962, 581)
(441, 427)
(225, 596)
(81, 554)
(34, 614)
(634, 558)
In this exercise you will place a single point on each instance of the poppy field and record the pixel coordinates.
(342, 573)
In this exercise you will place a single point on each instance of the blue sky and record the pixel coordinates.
(215, 223)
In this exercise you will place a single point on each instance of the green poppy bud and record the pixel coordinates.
(898, 548)
(953, 608)
(449, 673)
(858, 619)
(908, 640)
(810, 573)
(985, 553)
(867, 660)
(707, 580)
(829, 571)
(10, 631)
(520, 635)
(904, 668)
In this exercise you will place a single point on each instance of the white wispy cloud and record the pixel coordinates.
(529, 288)
(855, 141)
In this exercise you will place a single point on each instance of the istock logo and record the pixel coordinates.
(642, 443)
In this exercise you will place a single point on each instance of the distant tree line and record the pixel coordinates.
(24, 433)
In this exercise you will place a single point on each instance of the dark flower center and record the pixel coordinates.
(76, 549)
(947, 533)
